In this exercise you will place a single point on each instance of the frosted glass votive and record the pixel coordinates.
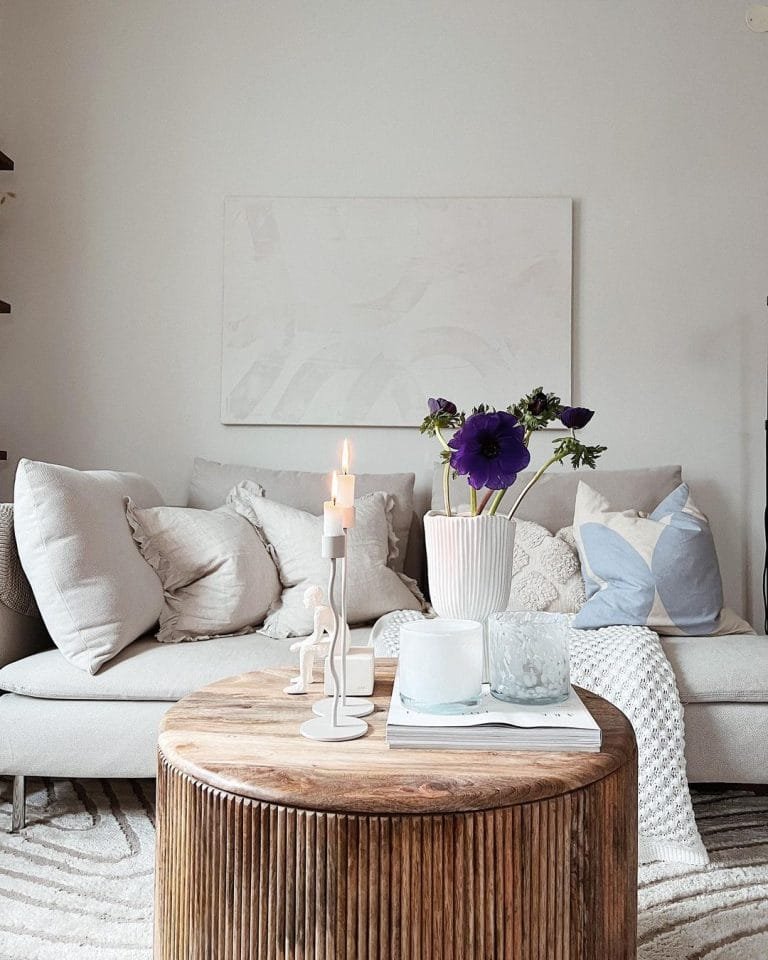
(441, 665)
(528, 656)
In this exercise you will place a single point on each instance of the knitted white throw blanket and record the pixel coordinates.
(626, 666)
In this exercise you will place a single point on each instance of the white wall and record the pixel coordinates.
(130, 122)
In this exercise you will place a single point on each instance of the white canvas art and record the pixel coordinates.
(354, 311)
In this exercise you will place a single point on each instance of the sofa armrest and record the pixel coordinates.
(20, 636)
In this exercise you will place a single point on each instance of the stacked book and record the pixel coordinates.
(495, 725)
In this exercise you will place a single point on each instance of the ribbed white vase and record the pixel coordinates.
(469, 564)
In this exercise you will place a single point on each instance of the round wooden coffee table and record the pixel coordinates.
(273, 846)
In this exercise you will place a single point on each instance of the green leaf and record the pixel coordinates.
(581, 454)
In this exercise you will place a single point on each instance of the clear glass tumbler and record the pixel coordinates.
(528, 657)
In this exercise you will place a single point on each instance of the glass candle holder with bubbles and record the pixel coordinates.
(441, 665)
(528, 657)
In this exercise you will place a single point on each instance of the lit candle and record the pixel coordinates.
(344, 488)
(333, 515)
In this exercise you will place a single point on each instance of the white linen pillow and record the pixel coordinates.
(294, 539)
(95, 592)
(546, 573)
(218, 577)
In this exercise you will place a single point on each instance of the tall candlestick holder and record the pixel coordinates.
(336, 724)
(349, 706)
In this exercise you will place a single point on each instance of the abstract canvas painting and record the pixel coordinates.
(354, 311)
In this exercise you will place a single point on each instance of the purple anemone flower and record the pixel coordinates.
(575, 417)
(538, 403)
(441, 405)
(489, 450)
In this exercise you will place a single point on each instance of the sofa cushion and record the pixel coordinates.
(148, 670)
(15, 591)
(217, 575)
(719, 669)
(546, 574)
(294, 538)
(552, 500)
(212, 481)
(658, 570)
(95, 591)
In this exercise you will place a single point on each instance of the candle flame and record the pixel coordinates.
(334, 487)
(345, 457)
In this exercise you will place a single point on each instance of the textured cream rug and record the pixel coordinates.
(77, 883)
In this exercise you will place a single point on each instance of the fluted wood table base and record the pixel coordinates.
(241, 877)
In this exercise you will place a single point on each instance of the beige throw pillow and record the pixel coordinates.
(294, 539)
(211, 483)
(95, 592)
(218, 578)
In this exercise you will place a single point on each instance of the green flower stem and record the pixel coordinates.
(496, 502)
(446, 473)
(473, 501)
(484, 502)
(442, 440)
(537, 476)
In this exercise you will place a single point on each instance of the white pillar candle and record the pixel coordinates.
(333, 519)
(344, 485)
(344, 488)
(345, 504)
(441, 665)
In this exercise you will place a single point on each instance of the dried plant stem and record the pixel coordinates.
(484, 501)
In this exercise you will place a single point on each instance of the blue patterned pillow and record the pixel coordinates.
(659, 570)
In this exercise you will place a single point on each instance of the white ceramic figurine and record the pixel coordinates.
(316, 643)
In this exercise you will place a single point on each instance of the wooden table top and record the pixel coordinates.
(241, 735)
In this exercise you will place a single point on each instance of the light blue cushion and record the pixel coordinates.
(659, 571)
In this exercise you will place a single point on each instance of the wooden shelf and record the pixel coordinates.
(5, 307)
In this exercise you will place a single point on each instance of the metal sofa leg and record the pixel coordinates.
(18, 817)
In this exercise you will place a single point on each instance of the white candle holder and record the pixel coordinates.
(336, 724)
(349, 706)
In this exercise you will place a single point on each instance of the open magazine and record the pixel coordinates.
(496, 725)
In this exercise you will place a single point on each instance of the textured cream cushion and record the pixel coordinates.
(546, 574)
(212, 481)
(94, 590)
(294, 537)
(217, 576)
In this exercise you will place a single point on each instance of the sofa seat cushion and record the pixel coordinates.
(719, 669)
(147, 670)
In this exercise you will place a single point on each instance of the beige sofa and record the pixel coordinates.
(58, 721)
